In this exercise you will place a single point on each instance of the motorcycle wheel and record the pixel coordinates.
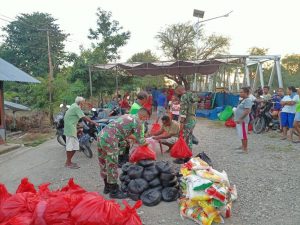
(86, 149)
(259, 125)
(61, 139)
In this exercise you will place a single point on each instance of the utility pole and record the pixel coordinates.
(50, 77)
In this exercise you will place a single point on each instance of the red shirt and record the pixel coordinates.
(170, 94)
(124, 104)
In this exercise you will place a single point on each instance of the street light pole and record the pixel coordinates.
(200, 14)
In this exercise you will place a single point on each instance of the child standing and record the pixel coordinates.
(175, 108)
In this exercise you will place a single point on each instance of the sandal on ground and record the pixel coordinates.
(72, 166)
(283, 138)
(296, 141)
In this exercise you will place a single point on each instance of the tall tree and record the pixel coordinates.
(178, 43)
(258, 51)
(25, 43)
(108, 36)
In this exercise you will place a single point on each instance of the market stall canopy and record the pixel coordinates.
(9, 72)
(180, 67)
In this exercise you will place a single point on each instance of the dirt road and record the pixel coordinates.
(267, 179)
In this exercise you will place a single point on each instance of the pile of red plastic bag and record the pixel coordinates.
(71, 205)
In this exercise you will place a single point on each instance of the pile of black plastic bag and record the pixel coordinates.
(150, 181)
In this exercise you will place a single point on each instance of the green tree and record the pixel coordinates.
(291, 63)
(144, 81)
(108, 36)
(258, 51)
(146, 56)
(178, 43)
(25, 43)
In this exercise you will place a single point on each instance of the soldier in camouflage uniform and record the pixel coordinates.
(188, 103)
(125, 127)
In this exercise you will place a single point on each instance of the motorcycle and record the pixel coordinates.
(86, 134)
(264, 119)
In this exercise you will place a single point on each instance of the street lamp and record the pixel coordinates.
(200, 14)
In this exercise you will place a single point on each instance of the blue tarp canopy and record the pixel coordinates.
(9, 72)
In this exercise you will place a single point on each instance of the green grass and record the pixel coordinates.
(32, 139)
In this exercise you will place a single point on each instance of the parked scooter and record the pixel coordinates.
(264, 119)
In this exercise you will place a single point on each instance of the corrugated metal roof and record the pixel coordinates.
(9, 72)
(15, 107)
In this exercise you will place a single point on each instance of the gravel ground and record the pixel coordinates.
(267, 178)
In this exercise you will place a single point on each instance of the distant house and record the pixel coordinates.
(9, 72)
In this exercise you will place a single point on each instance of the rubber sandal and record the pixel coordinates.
(72, 166)
(283, 138)
(296, 142)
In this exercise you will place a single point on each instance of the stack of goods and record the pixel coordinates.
(150, 181)
(207, 194)
(71, 205)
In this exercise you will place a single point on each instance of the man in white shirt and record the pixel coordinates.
(288, 111)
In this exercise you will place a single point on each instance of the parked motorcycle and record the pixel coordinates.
(86, 137)
(264, 119)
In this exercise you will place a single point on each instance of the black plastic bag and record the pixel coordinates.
(164, 167)
(205, 158)
(127, 179)
(123, 177)
(169, 194)
(126, 166)
(150, 173)
(155, 182)
(158, 188)
(133, 196)
(135, 171)
(137, 186)
(167, 176)
(170, 183)
(124, 187)
(151, 197)
(146, 163)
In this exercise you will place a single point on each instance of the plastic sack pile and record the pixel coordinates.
(150, 181)
(207, 194)
(71, 205)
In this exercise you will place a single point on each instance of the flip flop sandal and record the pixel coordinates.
(72, 166)
(296, 141)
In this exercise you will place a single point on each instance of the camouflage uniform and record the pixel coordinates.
(188, 103)
(108, 144)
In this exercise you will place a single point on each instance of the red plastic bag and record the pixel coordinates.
(20, 219)
(141, 153)
(130, 214)
(250, 127)
(72, 187)
(4, 194)
(26, 186)
(230, 123)
(58, 211)
(95, 210)
(155, 128)
(19, 203)
(180, 149)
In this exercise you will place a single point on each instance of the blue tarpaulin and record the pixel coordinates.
(223, 99)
